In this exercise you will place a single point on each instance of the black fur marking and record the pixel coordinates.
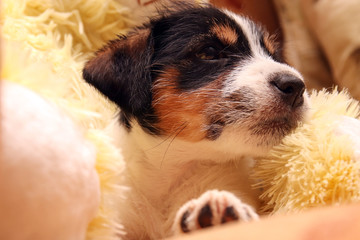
(124, 120)
(205, 217)
(214, 131)
(229, 215)
(183, 223)
(123, 75)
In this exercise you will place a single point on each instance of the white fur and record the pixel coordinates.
(158, 166)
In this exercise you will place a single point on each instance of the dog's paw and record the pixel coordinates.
(212, 208)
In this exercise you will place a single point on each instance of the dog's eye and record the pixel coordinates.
(208, 53)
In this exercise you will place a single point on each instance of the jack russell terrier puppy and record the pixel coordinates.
(201, 91)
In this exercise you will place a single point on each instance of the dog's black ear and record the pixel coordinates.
(121, 71)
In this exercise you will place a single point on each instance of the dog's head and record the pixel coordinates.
(201, 74)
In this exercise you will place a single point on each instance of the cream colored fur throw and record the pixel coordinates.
(44, 46)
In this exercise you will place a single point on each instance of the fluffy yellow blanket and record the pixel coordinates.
(44, 46)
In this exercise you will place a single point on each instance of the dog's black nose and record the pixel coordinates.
(291, 89)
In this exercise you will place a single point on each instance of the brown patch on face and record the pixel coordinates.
(270, 43)
(183, 113)
(226, 34)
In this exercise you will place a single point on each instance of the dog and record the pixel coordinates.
(202, 92)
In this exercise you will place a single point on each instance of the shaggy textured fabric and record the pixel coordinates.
(45, 44)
